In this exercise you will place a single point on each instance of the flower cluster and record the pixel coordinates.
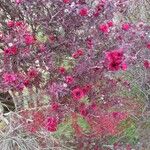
(89, 69)
(115, 60)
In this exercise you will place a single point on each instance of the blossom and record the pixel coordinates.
(126, 26)
(114, 65)
(104, 28)
(51, 124)
(75, 55)
(83, 111)
(124, 66)
(77, 93)
(61, 70)
(18, 23)
(55, 106)
(32, 73)
(9, 78)
(66, 1)
(18, 1)
(83, 12)
(110, 23)
(10, 24)
(29, 39)
(10, 51)
(69, 79)
(146, 64)
(26, 82)
(148, 45)
(115, 60)
(78, 53)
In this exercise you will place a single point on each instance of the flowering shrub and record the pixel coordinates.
(75, 72)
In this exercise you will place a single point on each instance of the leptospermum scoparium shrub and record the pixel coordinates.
(79, 78)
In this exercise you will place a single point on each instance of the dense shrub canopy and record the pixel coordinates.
(76, 71)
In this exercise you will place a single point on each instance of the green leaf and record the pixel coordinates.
(83, 124)
(85, 100)
(41, 37)
(64, 129)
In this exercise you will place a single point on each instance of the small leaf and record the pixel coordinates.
(83, 124)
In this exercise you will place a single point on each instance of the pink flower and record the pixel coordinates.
(51, 124)
(77, 93)
(29, 39)
(83, 111)
(114, 55)
(61, 70)
(110, 23)
(18, 23)
(77, 53)
(124, 67)
(9, 78)
(66, 1)
(146, 64)
(126, 26)
(148, 45)
(55, 106)
(26, 82)
(69, 79)
(32, 73)
(104, 28)
(10, 23)
(18, 1)
(80, 52)
(83, 12)
(89, 42)
(11, 51)
(115, 60)
(114, 65)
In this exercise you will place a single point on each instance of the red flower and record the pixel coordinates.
(51, 124)
(32, 73)
(29, 39)
(115, 60)
(11, 51)
(83, 111)
(124, 67)
(146, 64)
(9, 78)
(126, 26)
(110, 23)
(114, 65)
(69, 79)
(10, 24)
(55, 106)
(77, 93)
(80, 52)
(148, 45)
(104, 28)
(19, 23)
(75, 55)
(83, 12)
(26, 82)
(62, 70)
(66, 1)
